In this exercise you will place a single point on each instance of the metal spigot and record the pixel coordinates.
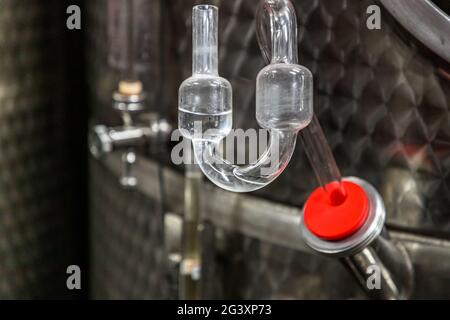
(139, 131)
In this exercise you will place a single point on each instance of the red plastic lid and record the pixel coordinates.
(339, 217)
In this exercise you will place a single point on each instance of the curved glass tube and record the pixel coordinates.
(251, 177)
(313, 138)
(284, 99)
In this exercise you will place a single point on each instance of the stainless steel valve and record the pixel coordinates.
(139, 132)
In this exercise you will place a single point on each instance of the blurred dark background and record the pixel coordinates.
(43, 176)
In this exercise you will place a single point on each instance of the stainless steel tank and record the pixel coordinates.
(39, 191)
(382, 97)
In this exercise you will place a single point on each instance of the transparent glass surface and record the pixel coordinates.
(284, 99)
(316, 146)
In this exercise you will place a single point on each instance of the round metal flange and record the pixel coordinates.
(361, 238)
(129, 103)
(99, 141)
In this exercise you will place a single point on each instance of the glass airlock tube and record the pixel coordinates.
(284, 101)
(313, 138)
(322, 161)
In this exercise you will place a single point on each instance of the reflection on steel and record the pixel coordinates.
(173, 229)
(425, 21)
(190, 267)
(396, 270)
(173, 225)
(402, 196)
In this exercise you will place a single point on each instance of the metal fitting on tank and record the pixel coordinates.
(355, 233)
(139, 131)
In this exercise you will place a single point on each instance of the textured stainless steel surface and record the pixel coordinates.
(238, 224)
(383, 102)
(267, 271)
(249, 215)
(37, 235)
(127, 252)
(434, 30)
(128, 259)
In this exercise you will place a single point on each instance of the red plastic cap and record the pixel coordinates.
(335, 220)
